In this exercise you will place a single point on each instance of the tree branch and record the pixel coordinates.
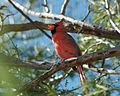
(21, 27)
(57, 67)
(88, 13)
(118, 7)
(101, 70)
(46, 6)
(64, 6)
(110, 17)
(13, 62)
(29, 19)
(71, 62)
(76, 25)
(97, 31)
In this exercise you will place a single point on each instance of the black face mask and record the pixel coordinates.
(54, 30)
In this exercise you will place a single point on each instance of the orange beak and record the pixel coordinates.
(51, 27)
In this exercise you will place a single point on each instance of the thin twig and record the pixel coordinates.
(66, 74)
(2, 21)
(106, 73)
(28, 18)
(89, 10)
(101, 70)
(15, 46)
(46, 6)
(83, 20)
(118, 6)
(103, 63)
(107, 7)
(64, 6)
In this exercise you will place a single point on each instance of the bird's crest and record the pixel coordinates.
(60, 23)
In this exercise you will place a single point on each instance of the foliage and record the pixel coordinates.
(33, 45)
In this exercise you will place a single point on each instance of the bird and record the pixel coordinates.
(65, 46)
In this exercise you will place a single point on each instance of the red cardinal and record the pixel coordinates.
(65, 45)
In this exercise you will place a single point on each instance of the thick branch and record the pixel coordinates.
(67, 63)
(97, 31)
(73, 62)
(13, 62)
(22, 27)
(76, 25)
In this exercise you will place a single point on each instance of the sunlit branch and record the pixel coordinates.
(101, 70)
(13, 62)
(64, 6)
(110, 17)
(46, 6)
(118, 6)
(76, 25)
(61, 76)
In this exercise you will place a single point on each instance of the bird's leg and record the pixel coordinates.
(63, 60)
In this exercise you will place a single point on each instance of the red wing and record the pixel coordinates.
(67, 47)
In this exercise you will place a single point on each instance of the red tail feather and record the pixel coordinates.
(81, 74)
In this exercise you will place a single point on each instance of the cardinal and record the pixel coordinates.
(65, 45)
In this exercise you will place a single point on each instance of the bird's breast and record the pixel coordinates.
(65, 46)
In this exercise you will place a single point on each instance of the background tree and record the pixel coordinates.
(27, 55)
